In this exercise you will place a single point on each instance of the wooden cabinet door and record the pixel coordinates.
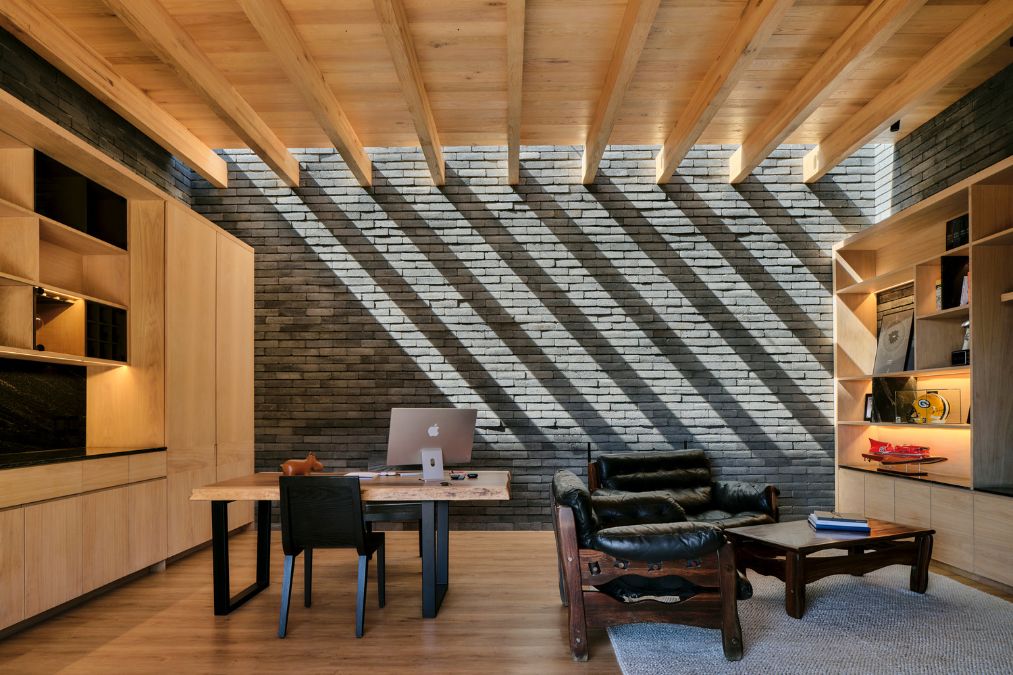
(912, 503)
(104, 547)
(952, 519)
(850, 491)
(190, 263)
(234, 366)
(189, 523)
(879, 496)
(52, 553)
(146, 541)
(993, 537)
(12, 566)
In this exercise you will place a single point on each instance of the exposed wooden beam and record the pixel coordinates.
(276, 28)
(515, 83)
(633, 32)
(985, 30)
(43, 32)
(867, 33)
(758, 21)
(150, 21)
(399, 42)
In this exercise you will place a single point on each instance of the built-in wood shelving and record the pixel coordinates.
(1006, 297)
(863, 423)
(925, 372)
(71, 359)
(961, 312)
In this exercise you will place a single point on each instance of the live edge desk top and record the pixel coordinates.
(490, 485)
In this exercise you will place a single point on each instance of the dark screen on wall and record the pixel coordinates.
(42, 406)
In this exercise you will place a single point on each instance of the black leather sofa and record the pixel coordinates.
(635, 558)
(685, 476)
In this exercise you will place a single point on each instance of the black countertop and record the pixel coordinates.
(12, 460)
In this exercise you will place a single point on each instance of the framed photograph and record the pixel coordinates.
(868, 408)
(894, 340)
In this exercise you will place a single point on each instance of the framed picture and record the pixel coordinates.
(894, 340)
(868, 408)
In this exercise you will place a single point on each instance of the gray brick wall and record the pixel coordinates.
(31, 79)
(970, 135)
(618, 316)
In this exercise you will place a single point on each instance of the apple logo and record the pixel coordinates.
(433, 431)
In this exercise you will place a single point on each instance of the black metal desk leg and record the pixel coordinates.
(429, 607)
(442, 547)
(220, 556)
(224, 603)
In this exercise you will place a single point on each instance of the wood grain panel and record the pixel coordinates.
(240, 513)
(17, 307)
(53, 544)
(189, 522)
(36, 483)
(103, 473)
(850, 491)
(912, 503)
(234, 354)
(879, 497)
(104, 516)
(126, 406)
(60, 267)
(147, 466)
(17, 175)
(12, 566)
(993, 543)
(191, 246)
(19, 247)
(106, 277)
(147, 524)
(953, 521)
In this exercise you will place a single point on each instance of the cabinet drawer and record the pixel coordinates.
(879, 496)
(850, 492)
(952, 515)
(912, 503)
(103, 473)
(147, 466)
(993, 537)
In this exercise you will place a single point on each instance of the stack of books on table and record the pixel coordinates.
(841, 522)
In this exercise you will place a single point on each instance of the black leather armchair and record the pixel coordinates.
(634, 558)
(685, 476)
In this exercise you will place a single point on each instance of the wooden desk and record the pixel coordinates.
(263, 489)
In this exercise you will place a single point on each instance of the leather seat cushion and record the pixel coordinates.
(723, 519)
(659, 542)
(636, 508)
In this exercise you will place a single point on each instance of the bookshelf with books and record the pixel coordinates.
(956, 250)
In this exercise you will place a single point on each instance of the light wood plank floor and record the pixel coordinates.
(501, 615)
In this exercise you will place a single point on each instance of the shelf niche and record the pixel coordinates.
(64, 195)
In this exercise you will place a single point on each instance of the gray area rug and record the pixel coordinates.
(872, 624)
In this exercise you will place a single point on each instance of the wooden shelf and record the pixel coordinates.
(61, 235)
(56, 357)
(880, 283)
(930, 477)
(1004, 238)
(1006, 297)
(863, 423)
(924, 372)
(961, 312)
(62, 291)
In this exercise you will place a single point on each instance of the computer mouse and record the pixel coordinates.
(472, 475)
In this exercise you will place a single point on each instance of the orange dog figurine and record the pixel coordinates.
(302, 467)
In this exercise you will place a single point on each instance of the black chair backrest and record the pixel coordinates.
(642, 471)
(569, 490)
(321, 512)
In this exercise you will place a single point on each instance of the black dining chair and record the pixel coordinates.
(326, 512)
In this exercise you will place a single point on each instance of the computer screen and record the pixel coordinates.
(411, 429)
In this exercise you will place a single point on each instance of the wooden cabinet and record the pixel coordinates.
(912, 503)
(12, 566)
(189, 523)
(53, 538)
(879, 497)
(146, 540)
(850, 492)
(105, 515)
(952, 518)
(993, 537)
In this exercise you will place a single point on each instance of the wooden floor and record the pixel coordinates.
(501, 615)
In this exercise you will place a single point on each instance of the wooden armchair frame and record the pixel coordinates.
(580, 569)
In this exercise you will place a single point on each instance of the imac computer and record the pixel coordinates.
(431, 437)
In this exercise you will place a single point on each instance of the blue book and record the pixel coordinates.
(838, 526)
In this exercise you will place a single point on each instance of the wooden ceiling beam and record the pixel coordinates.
(636, 26)
(985, 30)
(47, 36)
(758, 21)
(154, 26)
(515, 87)
(275, 26)
(867, 33)
(402, 50)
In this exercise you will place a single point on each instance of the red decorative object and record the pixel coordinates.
(302, 467)
(889, 454)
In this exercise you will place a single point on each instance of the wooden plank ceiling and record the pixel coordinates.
(590, 71)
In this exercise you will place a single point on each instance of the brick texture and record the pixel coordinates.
(32, 80)
(618, 316)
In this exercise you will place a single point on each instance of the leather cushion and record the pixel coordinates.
(635, 508)
(640, 471)
(724, 520)
(692, 500)
(737, 496)
(659, 542)
(569, 490)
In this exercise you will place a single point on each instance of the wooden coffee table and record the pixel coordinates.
(783, 550)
